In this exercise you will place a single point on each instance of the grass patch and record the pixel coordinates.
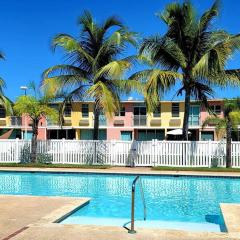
(44, 165)
(196, 169)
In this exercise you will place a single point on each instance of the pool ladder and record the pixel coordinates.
(132, 230)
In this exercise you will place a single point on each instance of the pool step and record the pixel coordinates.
(189, 226)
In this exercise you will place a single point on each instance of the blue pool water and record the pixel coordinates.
(172, 202)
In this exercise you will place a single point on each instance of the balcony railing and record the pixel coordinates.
(52, 123)
(15, 121)
(102, 120)
(194, 121)
(140, 120)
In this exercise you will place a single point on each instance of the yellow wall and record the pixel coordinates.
(166, 115)
(76, 115)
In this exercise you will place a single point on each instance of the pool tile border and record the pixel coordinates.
(124, 171)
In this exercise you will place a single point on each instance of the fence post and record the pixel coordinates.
(154, 152)
(113, 152)
(63, 151)
(17, 150)
(133, 153)
(209, 153)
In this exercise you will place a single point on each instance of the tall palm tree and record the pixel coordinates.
(190, 51)
(95, 69)
(226, 125)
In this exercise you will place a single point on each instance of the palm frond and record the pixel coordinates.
(163, 51)
(113, 69)
(71, 45)
(2, 56)
(126, 86)
(235, 119)
(218, 123)
(112, 21)
(106, 99)
(207, 17)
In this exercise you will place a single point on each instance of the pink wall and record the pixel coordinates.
(114, 132)
(42, 131)
(204, 113)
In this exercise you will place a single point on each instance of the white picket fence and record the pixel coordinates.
(124, 153)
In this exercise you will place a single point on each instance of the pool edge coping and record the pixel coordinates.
(123, 171)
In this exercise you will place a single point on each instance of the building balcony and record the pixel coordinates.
(194, 123)
(102, 121)
(156, 122)
(67, 122)
(15, 121)
(3, 122)
(175, 122)
(140, 120)
(118, 122)
(84, 122)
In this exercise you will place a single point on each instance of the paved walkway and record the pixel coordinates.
(17, 212)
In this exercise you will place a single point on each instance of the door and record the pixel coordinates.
(126, 135)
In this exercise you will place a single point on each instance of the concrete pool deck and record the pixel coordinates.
(30, 217)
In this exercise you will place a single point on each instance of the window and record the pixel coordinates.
(126, 135)
(149, 135)
(194, 115)
(85, 111)
(206, 136)
(121, 112)
(140, 111)
(67, 111)
(54, 106)
(216, 109)
(157, 112)
(87, 134)
(175, 109)
(140, 118)
(2, 112)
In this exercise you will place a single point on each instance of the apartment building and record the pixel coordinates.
(131, 122)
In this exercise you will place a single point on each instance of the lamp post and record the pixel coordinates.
(25, 88)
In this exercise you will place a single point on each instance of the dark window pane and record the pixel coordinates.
(71, 134)
(122, 112)
(157, 112)
(175, 109)
(67, 111)
(143, 111)
(62, 134)
(2, 112)
(136, 111)
(85, 111)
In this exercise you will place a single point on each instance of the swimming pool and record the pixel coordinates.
(172, 202)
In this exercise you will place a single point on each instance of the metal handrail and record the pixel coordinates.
(132, 230)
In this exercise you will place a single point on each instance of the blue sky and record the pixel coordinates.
(28, 26)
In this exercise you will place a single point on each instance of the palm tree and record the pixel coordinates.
(94, 69)
(225, 126)
(4, 101)
(35, 107)
(190, 51)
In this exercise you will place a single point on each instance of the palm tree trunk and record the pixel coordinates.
(229, 144)
(96, 122)
(186, 114)
(34, 141)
